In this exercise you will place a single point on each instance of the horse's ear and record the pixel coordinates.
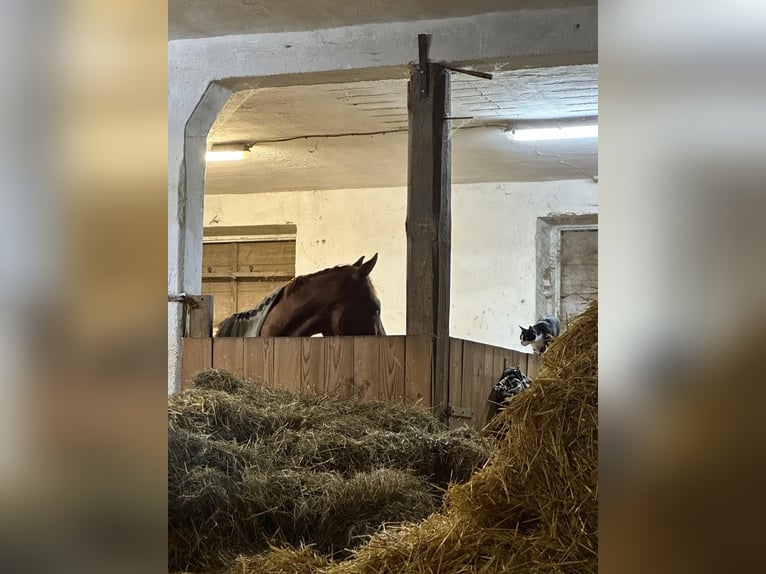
(294, 284)
(358, 262)
(366, 268)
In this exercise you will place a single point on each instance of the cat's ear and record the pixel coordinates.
(522, 328)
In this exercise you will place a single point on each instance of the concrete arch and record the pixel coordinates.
(185, 229)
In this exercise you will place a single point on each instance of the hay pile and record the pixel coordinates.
(250, 466)
(532, 508)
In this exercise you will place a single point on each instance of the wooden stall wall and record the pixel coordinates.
(474, 369)
(365, 368)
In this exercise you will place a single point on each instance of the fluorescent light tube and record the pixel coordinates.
(227, 155)
(559, 133)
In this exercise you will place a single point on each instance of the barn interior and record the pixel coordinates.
(328, 170)
(320, 99)
(326, 177)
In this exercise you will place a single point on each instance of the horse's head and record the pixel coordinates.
(357, 312)
(336, 301)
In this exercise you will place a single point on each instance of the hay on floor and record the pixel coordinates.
(532, 508)
(251, 467)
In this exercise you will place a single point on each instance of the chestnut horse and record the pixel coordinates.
(336, 301)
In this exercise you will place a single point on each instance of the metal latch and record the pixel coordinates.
(460, 412)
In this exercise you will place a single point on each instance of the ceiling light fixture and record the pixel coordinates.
(553, 133)
(228, 153)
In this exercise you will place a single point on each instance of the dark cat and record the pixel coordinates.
(512, 382)
(540, 334)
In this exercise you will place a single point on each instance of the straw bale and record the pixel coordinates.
(250, 466)
(285, 559)
(574, 356)
(534, 507)
(216, 380)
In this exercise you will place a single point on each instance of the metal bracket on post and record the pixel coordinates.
(423, 64)
(460, 412)
(474, 73)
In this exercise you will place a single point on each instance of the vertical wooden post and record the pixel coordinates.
(429, 221)
(199, 317)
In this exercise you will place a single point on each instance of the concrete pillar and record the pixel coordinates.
(185, 222)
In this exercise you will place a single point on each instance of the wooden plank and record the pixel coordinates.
(223, 302)
(339, 366)
(197, 355)
(199, 318)
(312, 365)
(533, 366)
(231, 232)
(367, 380)
(275, 257)
(473, 377)
(417, 369)
(456, 379)
(485, 386)
(578, 278)
(498, 357)
(259, 359)
(229, 355)
(255, 276)
(287, 363)
(518, 360)
(498, 362)
(429, 222)
(392, 360)
(216, 258)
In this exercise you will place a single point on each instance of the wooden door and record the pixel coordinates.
(239, 274)
(579, 271)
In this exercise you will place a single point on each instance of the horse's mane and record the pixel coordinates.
(296, 283)
(238, 324)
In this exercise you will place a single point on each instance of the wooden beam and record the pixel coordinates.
(199, 317)
(429, 222)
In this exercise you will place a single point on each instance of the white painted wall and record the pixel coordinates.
(493, 243)
(334, 227)
(493, 253)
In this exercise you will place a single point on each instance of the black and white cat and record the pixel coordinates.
(540, 334)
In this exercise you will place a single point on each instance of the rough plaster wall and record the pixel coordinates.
(493, 243)
(334, 227)
(494, 256)
(340, 226)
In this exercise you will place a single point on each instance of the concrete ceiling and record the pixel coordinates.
(354, 135)
(207, 18)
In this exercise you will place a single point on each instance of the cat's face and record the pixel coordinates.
(527, 335)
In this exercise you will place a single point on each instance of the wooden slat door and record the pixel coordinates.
(240, 274)
(474, 370)
(579, 272)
